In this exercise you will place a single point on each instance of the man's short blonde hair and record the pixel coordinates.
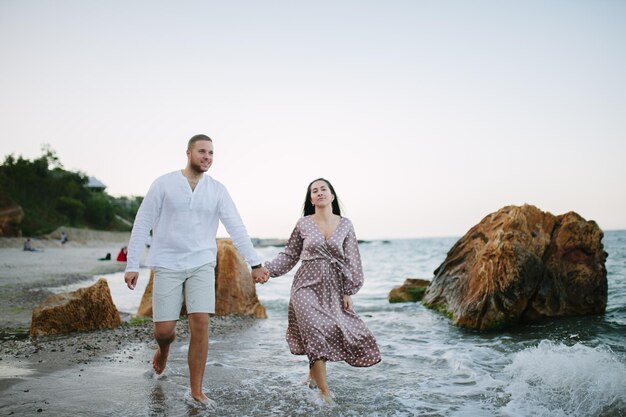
(197, 138)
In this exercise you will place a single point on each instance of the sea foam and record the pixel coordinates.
(559, 380)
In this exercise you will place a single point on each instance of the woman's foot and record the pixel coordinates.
(201, 401)
(310, 382)
(327, 398)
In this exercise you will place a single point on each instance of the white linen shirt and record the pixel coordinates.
(184, 224)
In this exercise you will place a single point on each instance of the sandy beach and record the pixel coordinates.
(68, 374)
(25, 275)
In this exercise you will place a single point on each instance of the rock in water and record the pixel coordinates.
(521, 264)
(85, 309)
(235, 291)
(411, 291)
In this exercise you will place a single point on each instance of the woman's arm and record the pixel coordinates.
(354, 280)
(289, 256)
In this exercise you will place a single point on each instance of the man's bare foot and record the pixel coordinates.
(158, 362)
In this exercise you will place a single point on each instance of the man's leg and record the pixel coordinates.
(164, 334)
(167, 297)
(198, 350)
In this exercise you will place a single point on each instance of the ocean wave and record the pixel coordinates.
(562, 381)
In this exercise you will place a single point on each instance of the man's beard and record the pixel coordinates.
(197, 168)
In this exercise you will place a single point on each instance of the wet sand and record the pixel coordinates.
(96, 373)
(107, 373)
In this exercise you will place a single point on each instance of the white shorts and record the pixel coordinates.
(198, 285)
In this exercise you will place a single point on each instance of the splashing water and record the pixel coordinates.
(558, 380)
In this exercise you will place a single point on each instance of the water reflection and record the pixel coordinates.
(157, 405)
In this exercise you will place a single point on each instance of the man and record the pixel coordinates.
(183, 210)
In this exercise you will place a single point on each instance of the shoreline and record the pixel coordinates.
(26, 276)
(48, 373)
(27, 363)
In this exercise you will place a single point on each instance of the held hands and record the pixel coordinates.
(347, 302)
(260, 275)
(131, 279)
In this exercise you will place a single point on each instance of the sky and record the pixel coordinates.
(426, 116)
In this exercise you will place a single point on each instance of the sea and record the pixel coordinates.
(558, 367)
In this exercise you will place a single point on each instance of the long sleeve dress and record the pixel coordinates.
(319, 326)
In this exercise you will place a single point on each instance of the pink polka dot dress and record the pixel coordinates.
(319, 326)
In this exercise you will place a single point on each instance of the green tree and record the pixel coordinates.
(71, 208)
(99, 213)
(51, 196)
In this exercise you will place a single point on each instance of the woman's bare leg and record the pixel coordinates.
(318, 372)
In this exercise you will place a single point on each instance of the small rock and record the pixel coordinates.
(412, 290)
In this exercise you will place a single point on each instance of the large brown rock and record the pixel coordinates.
(11, 215)
(235, 291)
(521, 264)
(145, 306)
(85, 309)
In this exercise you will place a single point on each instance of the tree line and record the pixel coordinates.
(52, 196)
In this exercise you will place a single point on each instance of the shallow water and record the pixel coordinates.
(566, 367)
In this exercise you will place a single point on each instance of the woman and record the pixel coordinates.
(322, 323)
(123, 255)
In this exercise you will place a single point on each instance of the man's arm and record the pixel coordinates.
(144, 221)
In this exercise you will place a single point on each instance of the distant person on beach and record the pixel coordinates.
(121, 257)
(183, 208)
(106, 257)
(63, 238)
(28, 246)
(322, 323)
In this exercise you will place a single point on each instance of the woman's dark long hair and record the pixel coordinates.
(309, 208)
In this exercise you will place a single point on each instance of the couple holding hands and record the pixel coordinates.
(183, 209)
